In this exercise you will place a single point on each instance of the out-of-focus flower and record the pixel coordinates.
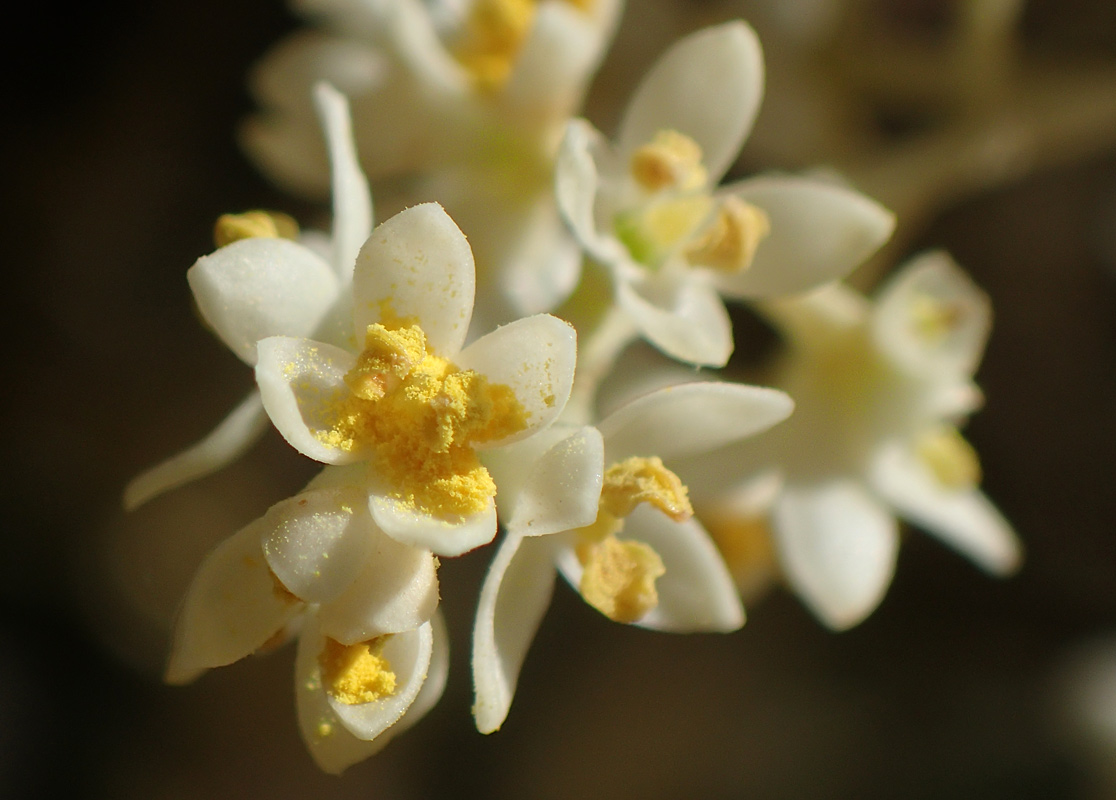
(372, 652)
(410, 408)
(879, 391)
(260, 283)
(647, 206)
(665, 573)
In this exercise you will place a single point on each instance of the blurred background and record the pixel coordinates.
(991, 133)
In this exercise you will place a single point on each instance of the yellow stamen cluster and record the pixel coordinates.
(254, 225)
(356, 673)
(671, 160)
(952, 460)
(729, 243)
(419, 415)
(644, 480)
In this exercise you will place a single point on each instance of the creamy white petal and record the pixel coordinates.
(352, 201)
(819, 233)
(255, 288)
(233, 606)
(446, 537)
(963, 519)
(317, 542)
(691, 418)
(417, 264)
(544, 265)
(301, 383)
(576, 183)
(708, 86)
(223, 445)
(684, 318)
(837, 547)
(562, 487)
(535, 356)
(514, 598)
(435, 683)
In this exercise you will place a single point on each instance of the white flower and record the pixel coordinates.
(410, 408)
(646, 205)
(880, 389)
(585, 486)
(372, 649)
(262, 286)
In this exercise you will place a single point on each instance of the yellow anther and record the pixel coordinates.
(389, 356)
(619, 578)
(356, 673)
(934, 318)
(729, 243)
(671, 160)
(493, 36)
(644, 480)
(952, 460)
(254, 225)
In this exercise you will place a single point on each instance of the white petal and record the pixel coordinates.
(255, 288)
(301, 383)
(352, 201)
(958, 347)
(707, 86)
(534, 356)
(837, 547)
(419, 264)
(435, 683)
(963, 519)
(684, 318)
(576, 183)
(223, 445)
(544, 266)
(514, 598)
(396, 591)
(445, 537)
(317, 542)
(819, 233)
(233, 606)
(691, 418)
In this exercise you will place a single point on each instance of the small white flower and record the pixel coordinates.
(880, 389)
(647, 205)
(583, 488)
(261, 286)
(410, 408)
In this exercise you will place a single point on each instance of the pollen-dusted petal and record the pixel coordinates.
(837, 547)
(535, 357)
(707, 86)
(446, 537)
(514, 598)
(223, 445)
(317, 542)
(417, 266)
(233, 606)
(685, 319)
(819, 233)
(691, 418)
(302, 384)
(963, 519)
(255, 288)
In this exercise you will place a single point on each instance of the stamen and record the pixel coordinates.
(254, 225)
(644, 480)
(356, 673)
(729, 243)
(619, 578)
(952, 460)
(493, 36)
(671, 160)
(388, 358)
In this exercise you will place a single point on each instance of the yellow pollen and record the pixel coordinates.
(933, 318)
(644, 480)
(356, 673)
(389, 356)
(324, 729)
(952, 460)
(671, 160)
(729, 243)
(619, 578)
(254, 225)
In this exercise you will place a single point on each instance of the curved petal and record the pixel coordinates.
(445, 537)
(545, 265)
(691, 418)
(417, 264)
(837, 547)
(963, 519)
(684, 318)
(514, 598)
(255, 288)
(317, 541)
(233, 606)
(819, 233)
(576, 183)
(223, 445)
(435, 683)
(301, 383)
(535, 356)
(708, 86)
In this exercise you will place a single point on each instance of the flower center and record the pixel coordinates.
(356, 673)
(951, 459)
(419, 415)
(254, 225)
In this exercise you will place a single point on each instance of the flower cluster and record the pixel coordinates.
(450, 386)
